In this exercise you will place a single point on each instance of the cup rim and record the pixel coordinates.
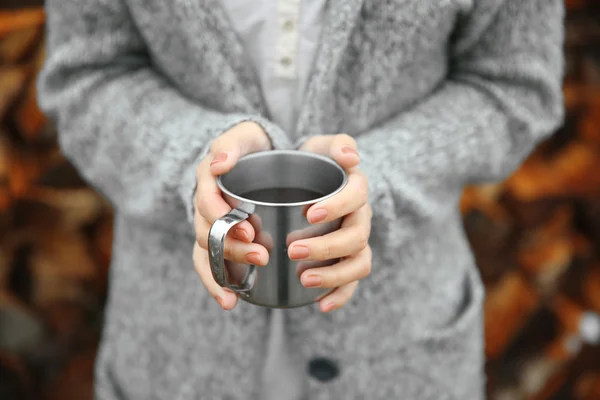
(296, 153)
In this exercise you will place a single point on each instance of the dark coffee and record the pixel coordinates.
(282, 195)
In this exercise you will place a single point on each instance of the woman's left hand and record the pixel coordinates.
(351, 242)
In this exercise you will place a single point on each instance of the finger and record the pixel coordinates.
(211, 206)
(245, 253)
(344, 151)
(338, 297)
(266, 240)
(350, 199)
(308, 232)
(261, 237)
(318, 144)
(240, 231)
(348, 270)
(348, 240)
(226, 298)
(342, 148)
(242, 139)
(302, 266)
(233, 249)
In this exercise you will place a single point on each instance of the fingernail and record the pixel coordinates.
(349, 150)
(241, 234)
(317, 215)
(299, 252)
(312, 281)
(220, 157)
(254, 258)
(328, 306)
(219, 300)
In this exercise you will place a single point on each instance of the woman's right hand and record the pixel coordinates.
(226, 150)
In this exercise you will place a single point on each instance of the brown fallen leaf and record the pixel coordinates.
(21, 331)
(568, 313)
(548, 262)
(11, 21)
(6, 198)
(484, 198)
(25, 169)
(546, 252)
(76, 380)
(16, 382)
(572, 172)
(62, 267)
(15, 45)
(590, 65)
(591, 288)
(574, 95)
(64, 319)
(588, 386)
(589, 124)
(103, 239)
(575, 4)
(507, 306)
(12, 81)
(77, 207)
(549, 378)
(38, 59)
(28, 117)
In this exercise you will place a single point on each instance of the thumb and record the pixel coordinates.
(242, 139)
(341, 148)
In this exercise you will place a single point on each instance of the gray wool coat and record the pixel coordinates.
(438, 94)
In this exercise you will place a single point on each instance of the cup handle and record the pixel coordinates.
(216, 241)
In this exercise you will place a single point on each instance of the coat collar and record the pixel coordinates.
(339, 24)
(341, 20)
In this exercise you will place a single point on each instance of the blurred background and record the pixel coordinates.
(536, 237)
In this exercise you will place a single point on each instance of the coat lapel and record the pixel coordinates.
(232, 49)
(317, 115)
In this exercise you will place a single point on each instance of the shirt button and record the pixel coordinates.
(288, 25)
(286, 61)
(323, 369)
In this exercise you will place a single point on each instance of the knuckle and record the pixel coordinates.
(369, 254)
(363, 240)
(200, 232)
(216, 145)
(202, 240)
(366, 268)
(198, 259)
(363, 187)
(199, 169)
(197, 268)
(344, 137)
(310, 142)
(200, 203)
(228, 249)
(341, 203)
(326, 251)
(199, 237)
(340, 301)
(369, 210)
(332, 279)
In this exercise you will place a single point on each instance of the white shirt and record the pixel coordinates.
(281, 38)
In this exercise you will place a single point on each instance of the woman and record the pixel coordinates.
(155, 99)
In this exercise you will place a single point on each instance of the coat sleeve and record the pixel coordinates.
(129, 132)
(502, 95)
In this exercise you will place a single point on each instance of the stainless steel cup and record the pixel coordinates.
(273, 190)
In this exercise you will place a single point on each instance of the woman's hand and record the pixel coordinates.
(351, 242)
(226, 150)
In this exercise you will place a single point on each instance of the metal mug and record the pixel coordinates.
(273, 190)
